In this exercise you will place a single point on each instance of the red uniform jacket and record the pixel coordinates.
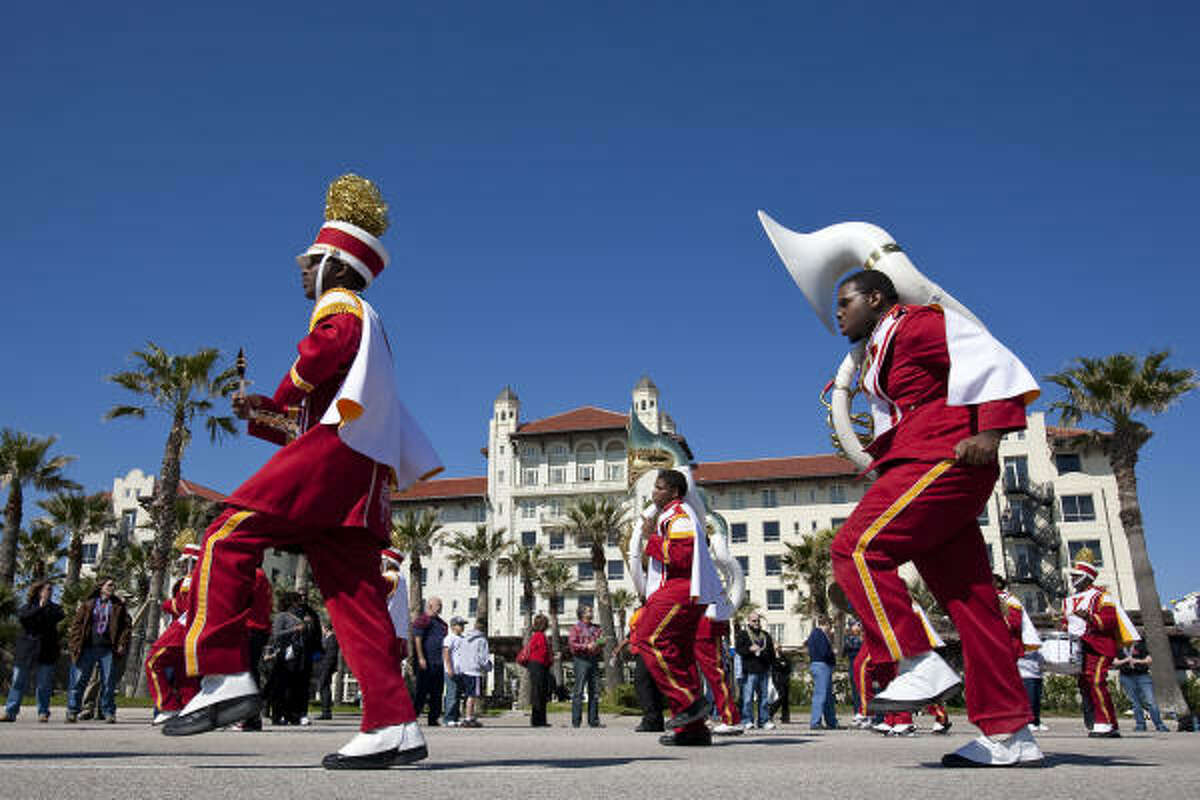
(915, 374)
(316, 479)
(1103, 633)
(177, 603)
(671, 547)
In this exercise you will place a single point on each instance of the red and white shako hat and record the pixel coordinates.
(190, 551)
(1083, 565)
(392, 556)
(355, 218)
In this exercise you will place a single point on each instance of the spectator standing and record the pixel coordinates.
(851, 646)
(312, 656)
(757, 650)
(451, 646)
(538, 660)
(37, 651)
(429, 630)
(472, 661)
(99, 633)
(1134, 664)
(586, 642)
(287, 676)
(821, 661)
(781, 679)
(331, 653)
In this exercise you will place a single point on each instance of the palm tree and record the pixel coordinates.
(415, 533)
(78, 515)
(1114, 389)
(592, 522)
(556, 580)
(808, 563)
(524, 562)
(479, 550)
(40, 551)
(182, 387)
(622, 601)
(24, 462)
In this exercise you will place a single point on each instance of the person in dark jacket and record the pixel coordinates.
(757, 651)
(781, 679)
(821, 662)
(99, 635)
(330, 654)
(37, 651)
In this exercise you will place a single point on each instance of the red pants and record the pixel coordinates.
(867, 675)
(1093, 684)
(169, 693)
(709, 640)
(926, 513)
(669, 621)
(345, 565)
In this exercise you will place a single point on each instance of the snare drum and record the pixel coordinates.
(1062, 654)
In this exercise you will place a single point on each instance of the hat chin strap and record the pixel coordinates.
(321, 275)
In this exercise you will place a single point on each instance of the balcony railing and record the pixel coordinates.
(1015, 484)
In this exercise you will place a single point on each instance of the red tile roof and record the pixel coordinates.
(192, 489)
(1066, 433)
(444, 488)
(762, 469)
(586, 418)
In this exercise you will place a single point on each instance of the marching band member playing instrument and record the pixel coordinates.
(942, 393)
(347, 443)
(682, 583)
(1093, 616)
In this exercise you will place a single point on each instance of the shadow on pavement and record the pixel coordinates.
(766, 740)
(75, 755)
(1070, 760)
(553, 763)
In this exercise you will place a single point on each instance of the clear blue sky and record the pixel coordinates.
(573, 190)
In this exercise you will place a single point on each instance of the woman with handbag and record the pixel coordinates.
(535, 656)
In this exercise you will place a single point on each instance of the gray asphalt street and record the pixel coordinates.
(508, 759)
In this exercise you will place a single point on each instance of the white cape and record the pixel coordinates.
(981, 369)
(367, 410)
(706, 583)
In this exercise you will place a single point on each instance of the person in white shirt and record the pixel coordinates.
(471, 661)
(450, 647)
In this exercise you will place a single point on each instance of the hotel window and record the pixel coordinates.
(528, 509)
(737, 533)
(529, 538)
(585, 473)
(776, 631)
(772, 566)
(585, 463)
(558, 475)
(982, 519)
(774, 599)
(837, 493)
(89, 553)
(737, 499)
(128, 524)
(529, 451)
(586, 573)
(1078, 508)
(424, 575)
(473, 576)
(1091, 544)
(771, 531)
(500, 477)
(837, 522)
(1068, 462)
(614, 461)
(616, 570)
(472, 606)
(558, 540)
(767, 498)
(586, 600)
(529, 476)
(1016, 472)
(744, 563)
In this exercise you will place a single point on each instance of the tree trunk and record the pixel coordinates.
(74, 557)
(416, 601)
(301, 581)
(612, 675)
(481, 605)
(555, 641)
(131, 678)
(12, 529)
(163, 512)
(1162, 667)
(523, 686)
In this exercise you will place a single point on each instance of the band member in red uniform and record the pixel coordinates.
(942, 392)
(169, 685)
(1093, 616)
(685, 583)
(391, 561)
(348, 441)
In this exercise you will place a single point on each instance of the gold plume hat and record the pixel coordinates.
(355, 218)
(1084, 564)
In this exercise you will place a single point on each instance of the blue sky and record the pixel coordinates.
(573, 190)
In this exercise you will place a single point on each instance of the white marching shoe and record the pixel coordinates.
(163, 716)
(882, 727)
(1018, 749)
(221, 701)
(381, 748)
(923, 679)
(722, 729)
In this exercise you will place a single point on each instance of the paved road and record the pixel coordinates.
(507, 759)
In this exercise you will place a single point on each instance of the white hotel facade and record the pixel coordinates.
(1055, 497)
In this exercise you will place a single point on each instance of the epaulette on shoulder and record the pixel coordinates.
(335, 301)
